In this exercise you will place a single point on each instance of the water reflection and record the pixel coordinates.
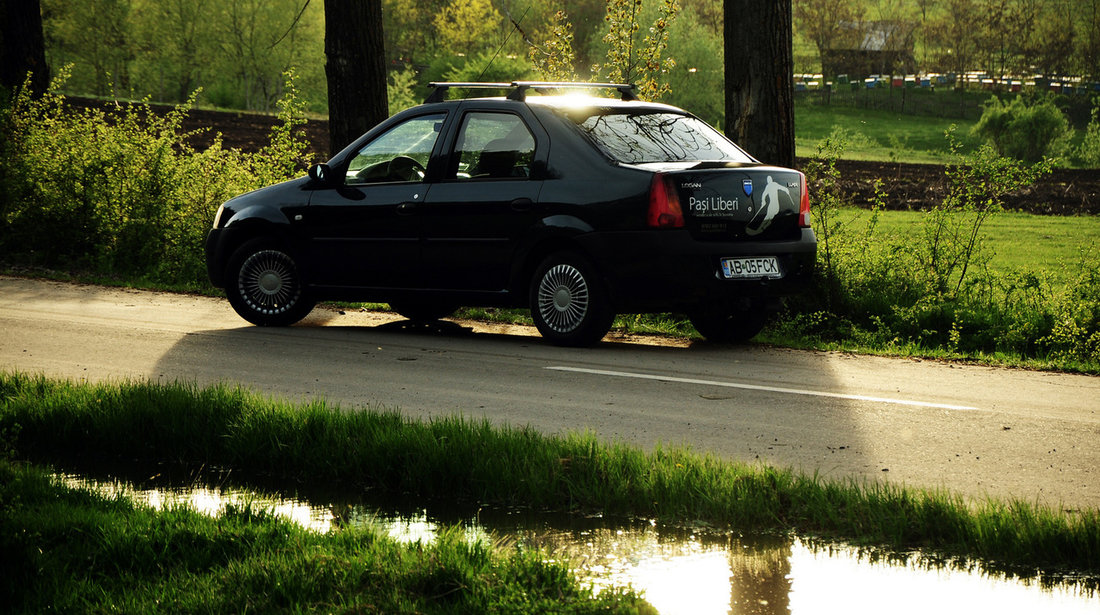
(684, 571)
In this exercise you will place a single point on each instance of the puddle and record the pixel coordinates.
(681, 571)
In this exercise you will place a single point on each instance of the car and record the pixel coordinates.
(548, 197)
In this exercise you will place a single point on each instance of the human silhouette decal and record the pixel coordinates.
(769, 200)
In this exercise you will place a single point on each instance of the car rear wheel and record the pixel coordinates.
(568, 301)
(265, 287)
(732, 325)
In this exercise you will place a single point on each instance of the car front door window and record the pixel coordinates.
(401, 154)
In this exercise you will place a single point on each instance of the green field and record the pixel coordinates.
(1050, 246)
(873, 134)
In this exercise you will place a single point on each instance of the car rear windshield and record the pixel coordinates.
(638, 138)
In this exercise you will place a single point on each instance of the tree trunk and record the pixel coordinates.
(355, 66)
(759, 78)
(22, 49)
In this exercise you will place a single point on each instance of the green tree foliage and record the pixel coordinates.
(95, 37)
(173, 45)
(828, 23)
(631, 55)
(632, 61)
(399, 91)
(487, 66)
(698, 82)
(409, 30)
(951, 36)
(258, 40)
(1089, 39)
(236, 50)
(464, 26)
(554, 59)
(1025, 131)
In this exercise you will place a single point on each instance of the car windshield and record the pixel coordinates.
(637, 138)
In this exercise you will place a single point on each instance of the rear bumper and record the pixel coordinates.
(670, 270)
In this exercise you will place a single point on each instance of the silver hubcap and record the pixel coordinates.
(268, 282)
(563, 298)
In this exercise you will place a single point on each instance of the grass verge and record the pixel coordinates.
(72, 551)
(458, 460)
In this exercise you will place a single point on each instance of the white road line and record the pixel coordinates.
(756, 387)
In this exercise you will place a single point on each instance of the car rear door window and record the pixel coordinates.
(401, 154)
(493, 146)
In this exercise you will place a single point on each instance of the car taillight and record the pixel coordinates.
(804, 204)
(664, 204)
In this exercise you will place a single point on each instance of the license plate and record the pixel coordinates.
(751, 268)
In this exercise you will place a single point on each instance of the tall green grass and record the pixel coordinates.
(470, 462)
(72, 551)
(931, 286)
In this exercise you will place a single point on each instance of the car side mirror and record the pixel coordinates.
(321, 173)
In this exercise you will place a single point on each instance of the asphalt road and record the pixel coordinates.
(978, 431)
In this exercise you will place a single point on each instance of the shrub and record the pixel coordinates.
(1028, 132)
(1088, 153)
(123, 193)
(932, 290)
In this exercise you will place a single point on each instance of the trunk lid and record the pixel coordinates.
(738, 201)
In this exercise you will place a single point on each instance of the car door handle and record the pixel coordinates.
(522, 204)
(406, 209)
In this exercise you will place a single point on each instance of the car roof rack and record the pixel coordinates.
(439, 93)
(626, 90)
(519, 88)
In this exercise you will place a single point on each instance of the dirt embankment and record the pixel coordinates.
(907, 186)
(920, 186)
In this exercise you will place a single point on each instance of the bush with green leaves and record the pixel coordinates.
(123, 192)
(1088, 153)
(1025, 131)
(933, 290)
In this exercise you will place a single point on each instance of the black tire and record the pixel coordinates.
(731, 325)
(264, 285)
(423, 311)
(569, 302)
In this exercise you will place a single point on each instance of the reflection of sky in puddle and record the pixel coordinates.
(680, 572)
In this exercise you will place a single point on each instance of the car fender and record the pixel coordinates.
(256, 215)
(553, 234)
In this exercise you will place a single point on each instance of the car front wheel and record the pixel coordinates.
(265, 287)
(568, 302)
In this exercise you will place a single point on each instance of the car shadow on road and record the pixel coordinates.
(727, 399)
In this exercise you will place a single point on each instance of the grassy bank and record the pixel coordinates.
(71, 551)
(470, 462)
